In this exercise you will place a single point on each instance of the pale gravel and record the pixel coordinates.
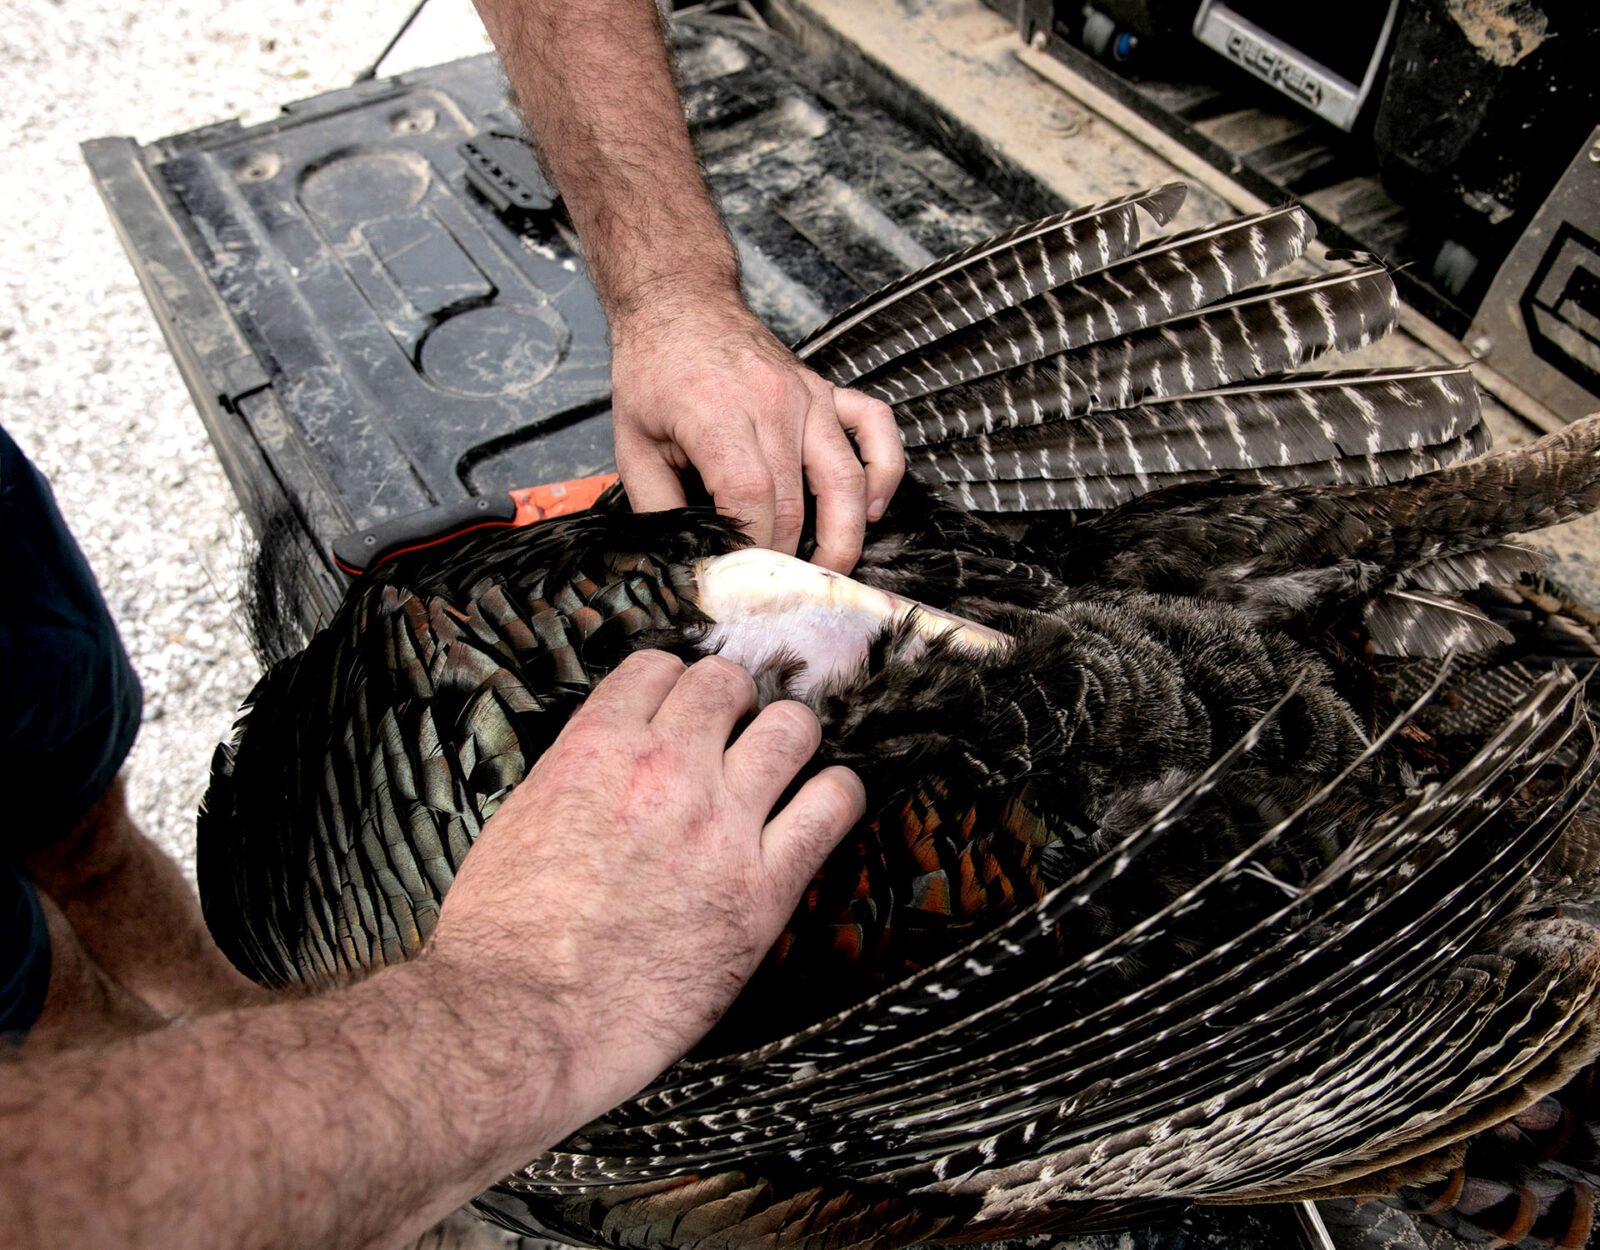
(86, 385)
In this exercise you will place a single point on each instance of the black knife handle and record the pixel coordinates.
(358, 552)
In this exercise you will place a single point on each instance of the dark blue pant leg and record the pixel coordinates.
(69, 710)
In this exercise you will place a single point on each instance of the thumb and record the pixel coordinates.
(799, 838)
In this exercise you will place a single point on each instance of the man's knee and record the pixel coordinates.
(70, 703)
(91, 851)
(81, 1004)
(25, 955)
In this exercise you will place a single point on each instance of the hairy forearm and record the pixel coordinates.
(353, 1119)
(593, 80)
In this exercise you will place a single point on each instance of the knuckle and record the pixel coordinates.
(769, 384)
(725, 677)
(823, 393)
(861, 406)
(846, 474)
(796, 724)
(790, 513)
(748, 484)
(651, 660)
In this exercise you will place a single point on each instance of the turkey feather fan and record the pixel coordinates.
(1264, 332)
(1160, 281)
(1271, 425)
(1171, 888)
(974, 284)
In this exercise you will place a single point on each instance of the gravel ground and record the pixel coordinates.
(87, 387)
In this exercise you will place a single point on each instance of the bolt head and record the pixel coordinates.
(1062, 122)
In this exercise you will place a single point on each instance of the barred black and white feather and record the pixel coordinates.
(975, 284)
(1262, 333)
(1080, 496)
(1312, 421)
(1160, 281)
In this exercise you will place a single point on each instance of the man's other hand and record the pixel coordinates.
(719, 392)
(627, 889)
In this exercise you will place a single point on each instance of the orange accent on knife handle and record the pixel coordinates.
(539, 503)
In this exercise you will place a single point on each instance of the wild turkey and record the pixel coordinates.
(1164, 896)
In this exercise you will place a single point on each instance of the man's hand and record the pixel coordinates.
(713, 388)
(631, 884)
(607, 915)
(696, 378)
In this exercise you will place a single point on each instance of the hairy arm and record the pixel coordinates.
(697, 379)
(350, 1120)
(606, 917)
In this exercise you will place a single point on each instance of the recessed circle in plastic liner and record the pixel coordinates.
(363, 184)
(497, 350)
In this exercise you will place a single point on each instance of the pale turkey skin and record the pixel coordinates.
(767, 610)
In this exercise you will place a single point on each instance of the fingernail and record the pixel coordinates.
(876, 508)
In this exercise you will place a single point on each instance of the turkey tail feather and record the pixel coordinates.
(1101, 493)
(1308, 421)
(1172, 276)
(1264, 332)
(980, 281)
